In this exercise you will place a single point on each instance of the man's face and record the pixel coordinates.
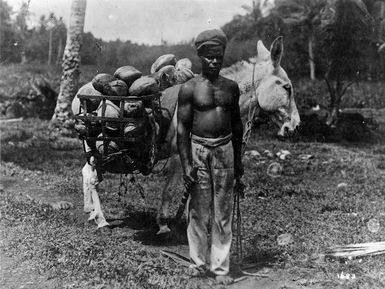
(212, 60)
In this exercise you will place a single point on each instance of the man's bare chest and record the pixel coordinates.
(207, 98)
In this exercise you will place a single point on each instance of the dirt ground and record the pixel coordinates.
(13, 276)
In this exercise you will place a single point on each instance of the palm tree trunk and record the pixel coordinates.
(70, 65)
(59, 51)
(23, 56)
(332, 117)
(50, 47)
(311, 58)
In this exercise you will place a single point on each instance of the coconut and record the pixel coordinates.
(183, 74)
(116, 87)
(164, 60)
(111, 146)
(183, 63)
(128, 74)
(92, 104)
(166, 77)
(143, 86)
(133, 109)
(101, 80)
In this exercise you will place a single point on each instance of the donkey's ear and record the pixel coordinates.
(263, 53)
(276, 51)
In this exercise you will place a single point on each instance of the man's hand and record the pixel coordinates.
(190, 178)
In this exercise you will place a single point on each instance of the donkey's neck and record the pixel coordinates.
(244, 102)
(242, 73)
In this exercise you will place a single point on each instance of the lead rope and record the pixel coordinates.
(239, 187)
(250, 115)
(123, 186)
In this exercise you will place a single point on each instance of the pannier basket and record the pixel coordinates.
(136, 153)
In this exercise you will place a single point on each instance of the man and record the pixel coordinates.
(209, 137)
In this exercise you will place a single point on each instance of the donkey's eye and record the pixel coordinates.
(278, 82)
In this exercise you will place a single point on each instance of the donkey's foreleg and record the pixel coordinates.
(88, 206)
(87, 174)
(174, 175)
(91, 197)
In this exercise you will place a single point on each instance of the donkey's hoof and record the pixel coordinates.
(101, 222)
(92, 216)
(163, 230)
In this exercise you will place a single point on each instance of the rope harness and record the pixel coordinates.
(123, 185)
(250, 115)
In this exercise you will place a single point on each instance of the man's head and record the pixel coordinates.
(210, 46)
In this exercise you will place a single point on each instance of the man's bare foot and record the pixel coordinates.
(224, 279)
(197, 271)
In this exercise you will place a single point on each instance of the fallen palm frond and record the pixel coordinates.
(184, 261)
(357, 250)
(9, 120)
(244, 269)
(254, 274)
(177, 258)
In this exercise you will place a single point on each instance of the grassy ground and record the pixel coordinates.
(325, 200)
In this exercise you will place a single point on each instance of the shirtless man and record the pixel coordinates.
(209, 137)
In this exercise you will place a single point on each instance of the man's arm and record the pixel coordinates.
(184, 125)
(237, 130)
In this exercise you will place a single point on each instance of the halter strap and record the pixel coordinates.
(250, 115)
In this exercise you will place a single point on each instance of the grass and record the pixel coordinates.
(57, 245)
(305, 201)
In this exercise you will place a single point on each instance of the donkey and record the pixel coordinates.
(269, 89)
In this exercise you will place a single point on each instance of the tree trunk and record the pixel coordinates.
(336, 94)
(23, 56)
(311, 58)
(333, 112)
(70, 65)
(50, 47)
(335, 103)
(381, 31)
(59, 51)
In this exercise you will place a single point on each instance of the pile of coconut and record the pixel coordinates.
(165, 72)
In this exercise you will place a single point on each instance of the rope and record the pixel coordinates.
(163, 167)
(239, 228)
(250, 116)
(124, 184)
(239, 187)
(248, 128)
